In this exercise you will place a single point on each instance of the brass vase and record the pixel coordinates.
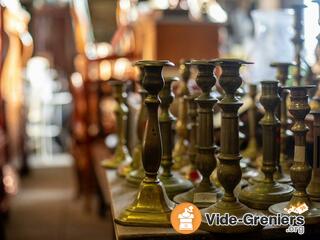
(206, 193)
(313, 188)
(181, 146)
(174, 183)
(151, 206)
(262, 195)
(229, 171)
(121, 155)
(300, 170)
(137, 174)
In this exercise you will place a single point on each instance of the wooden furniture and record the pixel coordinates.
(176, 38)
(117, 193)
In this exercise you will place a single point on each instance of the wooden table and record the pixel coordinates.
(118, 194)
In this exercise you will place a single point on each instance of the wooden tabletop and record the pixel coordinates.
(118, 194)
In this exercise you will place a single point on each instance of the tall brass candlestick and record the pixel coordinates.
(300, 170)
(298, 40)
(205, 193)
(151, 206)
(136, 176)
(121, 155)
(173, 182)
(263, 194)
(181, 147)
(229, 171)
(284, 161)
(194, 175)
(313, 188)
(251, 151)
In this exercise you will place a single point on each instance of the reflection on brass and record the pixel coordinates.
(252, 151)
(313, 188)
(205, 193)
(300, 170)
(181, 147)
(194, 174)
(137, 174)
(263, 194)
(283, 166)
(229, 171)
(297, 41)
(173, 182)
(121, 155)
(151, 206)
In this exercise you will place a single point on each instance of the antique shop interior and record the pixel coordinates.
(159, 119)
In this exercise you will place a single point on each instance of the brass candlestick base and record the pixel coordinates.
(300, 170)
(205, 193)
(121, 155)
(229, 171)
(173, 183)
(263, 194)
(151, 206)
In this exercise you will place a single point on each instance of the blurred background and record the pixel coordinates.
(57, 57)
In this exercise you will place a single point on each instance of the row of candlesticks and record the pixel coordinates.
(226, 191)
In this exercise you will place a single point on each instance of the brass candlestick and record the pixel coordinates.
(229, 171)
(298, 40)
(300, 170)
(194, 174)
(263, 194)
(313, 188)
(181, 147)
(121, 155)
(136, 176)
(251, 152)
(151, 206)
(205, 193)
(173, 182)
(283, 166)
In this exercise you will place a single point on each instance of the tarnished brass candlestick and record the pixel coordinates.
(229, 171)
(173, 182)
(300, 170)
(262, 195)
(282, 175)
(181, 147)
(313, 188)
(151, 206)
(298, 40)
(194, 174)
(205, 193)
(121, 155)
(136, 176)
(252, 152)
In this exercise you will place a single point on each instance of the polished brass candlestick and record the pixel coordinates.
(151, 206)
(252, 152)
(194, 174)
(263, 194)
(173, 182)
(300, 170)
(205, 193)
(136, 176)
(313, 188)
(229, 171)
(283, 166)
(121, 155)
(181, 147)
(298, 40)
